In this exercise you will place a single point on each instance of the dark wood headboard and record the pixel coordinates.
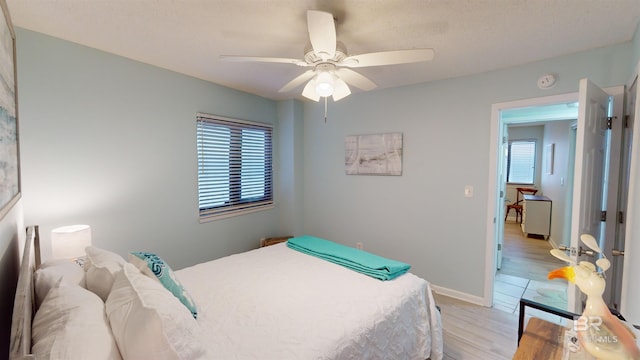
(23, 306)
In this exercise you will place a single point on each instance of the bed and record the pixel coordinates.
(268, 303)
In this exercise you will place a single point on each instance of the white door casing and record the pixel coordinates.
(496, 205)
(502, 179)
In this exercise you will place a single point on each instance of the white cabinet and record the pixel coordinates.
(536, 215)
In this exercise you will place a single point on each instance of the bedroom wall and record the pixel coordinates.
(110, 142)
(556, 185)
(422, 217)
(635, 45)
(80, 104)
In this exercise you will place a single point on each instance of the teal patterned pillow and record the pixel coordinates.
(153, 266)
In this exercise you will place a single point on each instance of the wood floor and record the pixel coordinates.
(476, 332)
(526, 257)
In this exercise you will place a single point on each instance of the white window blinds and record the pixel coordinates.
(521, 162)
(234, 167)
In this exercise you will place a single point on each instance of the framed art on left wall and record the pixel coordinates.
(9, 142)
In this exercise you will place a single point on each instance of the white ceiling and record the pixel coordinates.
(469, 36)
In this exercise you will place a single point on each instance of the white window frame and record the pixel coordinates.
(222, 178)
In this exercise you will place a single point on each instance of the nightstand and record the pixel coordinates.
(541, 340)
(273, 240)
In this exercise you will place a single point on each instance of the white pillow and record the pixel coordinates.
(71, 324)
(100, 267)
(50, 272)
(148, 322)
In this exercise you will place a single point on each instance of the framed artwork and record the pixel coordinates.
(9, 156)
(548, 165)
(377, 154)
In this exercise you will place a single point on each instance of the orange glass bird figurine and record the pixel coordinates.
(599, 332)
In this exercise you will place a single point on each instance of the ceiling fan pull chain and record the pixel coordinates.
(325, 109)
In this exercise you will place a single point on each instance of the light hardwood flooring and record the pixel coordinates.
(476, 332)
(526, 257)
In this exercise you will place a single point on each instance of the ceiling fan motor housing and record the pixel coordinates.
(312, 58)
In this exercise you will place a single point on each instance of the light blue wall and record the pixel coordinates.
(110, 142)
(635, 49)
(291, 178)
(422, 217)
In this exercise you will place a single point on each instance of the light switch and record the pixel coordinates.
(468, 191)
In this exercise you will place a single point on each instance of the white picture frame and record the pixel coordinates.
(548, 160)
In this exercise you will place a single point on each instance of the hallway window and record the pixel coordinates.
(234, 167)
(521, 161)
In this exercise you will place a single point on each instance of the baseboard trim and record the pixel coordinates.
(459, 295)
(553, 243)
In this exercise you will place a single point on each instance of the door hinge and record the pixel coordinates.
(499, 247)
(626, 121)
(609, 122)
(603, 215)
(620, 217)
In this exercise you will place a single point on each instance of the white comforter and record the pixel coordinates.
(277, 303)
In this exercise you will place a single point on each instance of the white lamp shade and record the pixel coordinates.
(341, 90)
(324, 84)
(69, 242)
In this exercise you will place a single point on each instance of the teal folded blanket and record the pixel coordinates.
(351, 258)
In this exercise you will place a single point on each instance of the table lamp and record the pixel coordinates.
(69, 242)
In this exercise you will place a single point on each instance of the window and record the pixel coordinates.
(234, 167)
(521, 161)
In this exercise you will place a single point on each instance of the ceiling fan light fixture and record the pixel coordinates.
(325, 83)
(341, 90)
(310, 92)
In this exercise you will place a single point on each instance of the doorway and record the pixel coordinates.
(524, 259)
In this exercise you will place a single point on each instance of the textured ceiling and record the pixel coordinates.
(469, 36)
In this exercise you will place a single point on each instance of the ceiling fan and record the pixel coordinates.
(331, 62)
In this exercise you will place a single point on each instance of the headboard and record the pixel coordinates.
(23, 305)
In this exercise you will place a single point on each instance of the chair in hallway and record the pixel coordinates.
(517, 205)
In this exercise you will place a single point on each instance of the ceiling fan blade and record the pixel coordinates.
(233, 58)
(297, 81)
(355, 79)
(388, 58)
(341, 90)
(309, 91)
(322, 33)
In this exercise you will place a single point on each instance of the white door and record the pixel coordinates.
(589, 174)
(614, 284)
(502, 180)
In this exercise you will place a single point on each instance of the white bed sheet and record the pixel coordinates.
(277, 303)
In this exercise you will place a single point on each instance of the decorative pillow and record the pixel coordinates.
(153, 266)
(51, 272)
(71, 324)
(100, 267)
(150, 323)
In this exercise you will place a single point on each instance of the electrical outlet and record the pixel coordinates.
(359, 245)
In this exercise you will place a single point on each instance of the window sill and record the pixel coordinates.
(208, 218)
